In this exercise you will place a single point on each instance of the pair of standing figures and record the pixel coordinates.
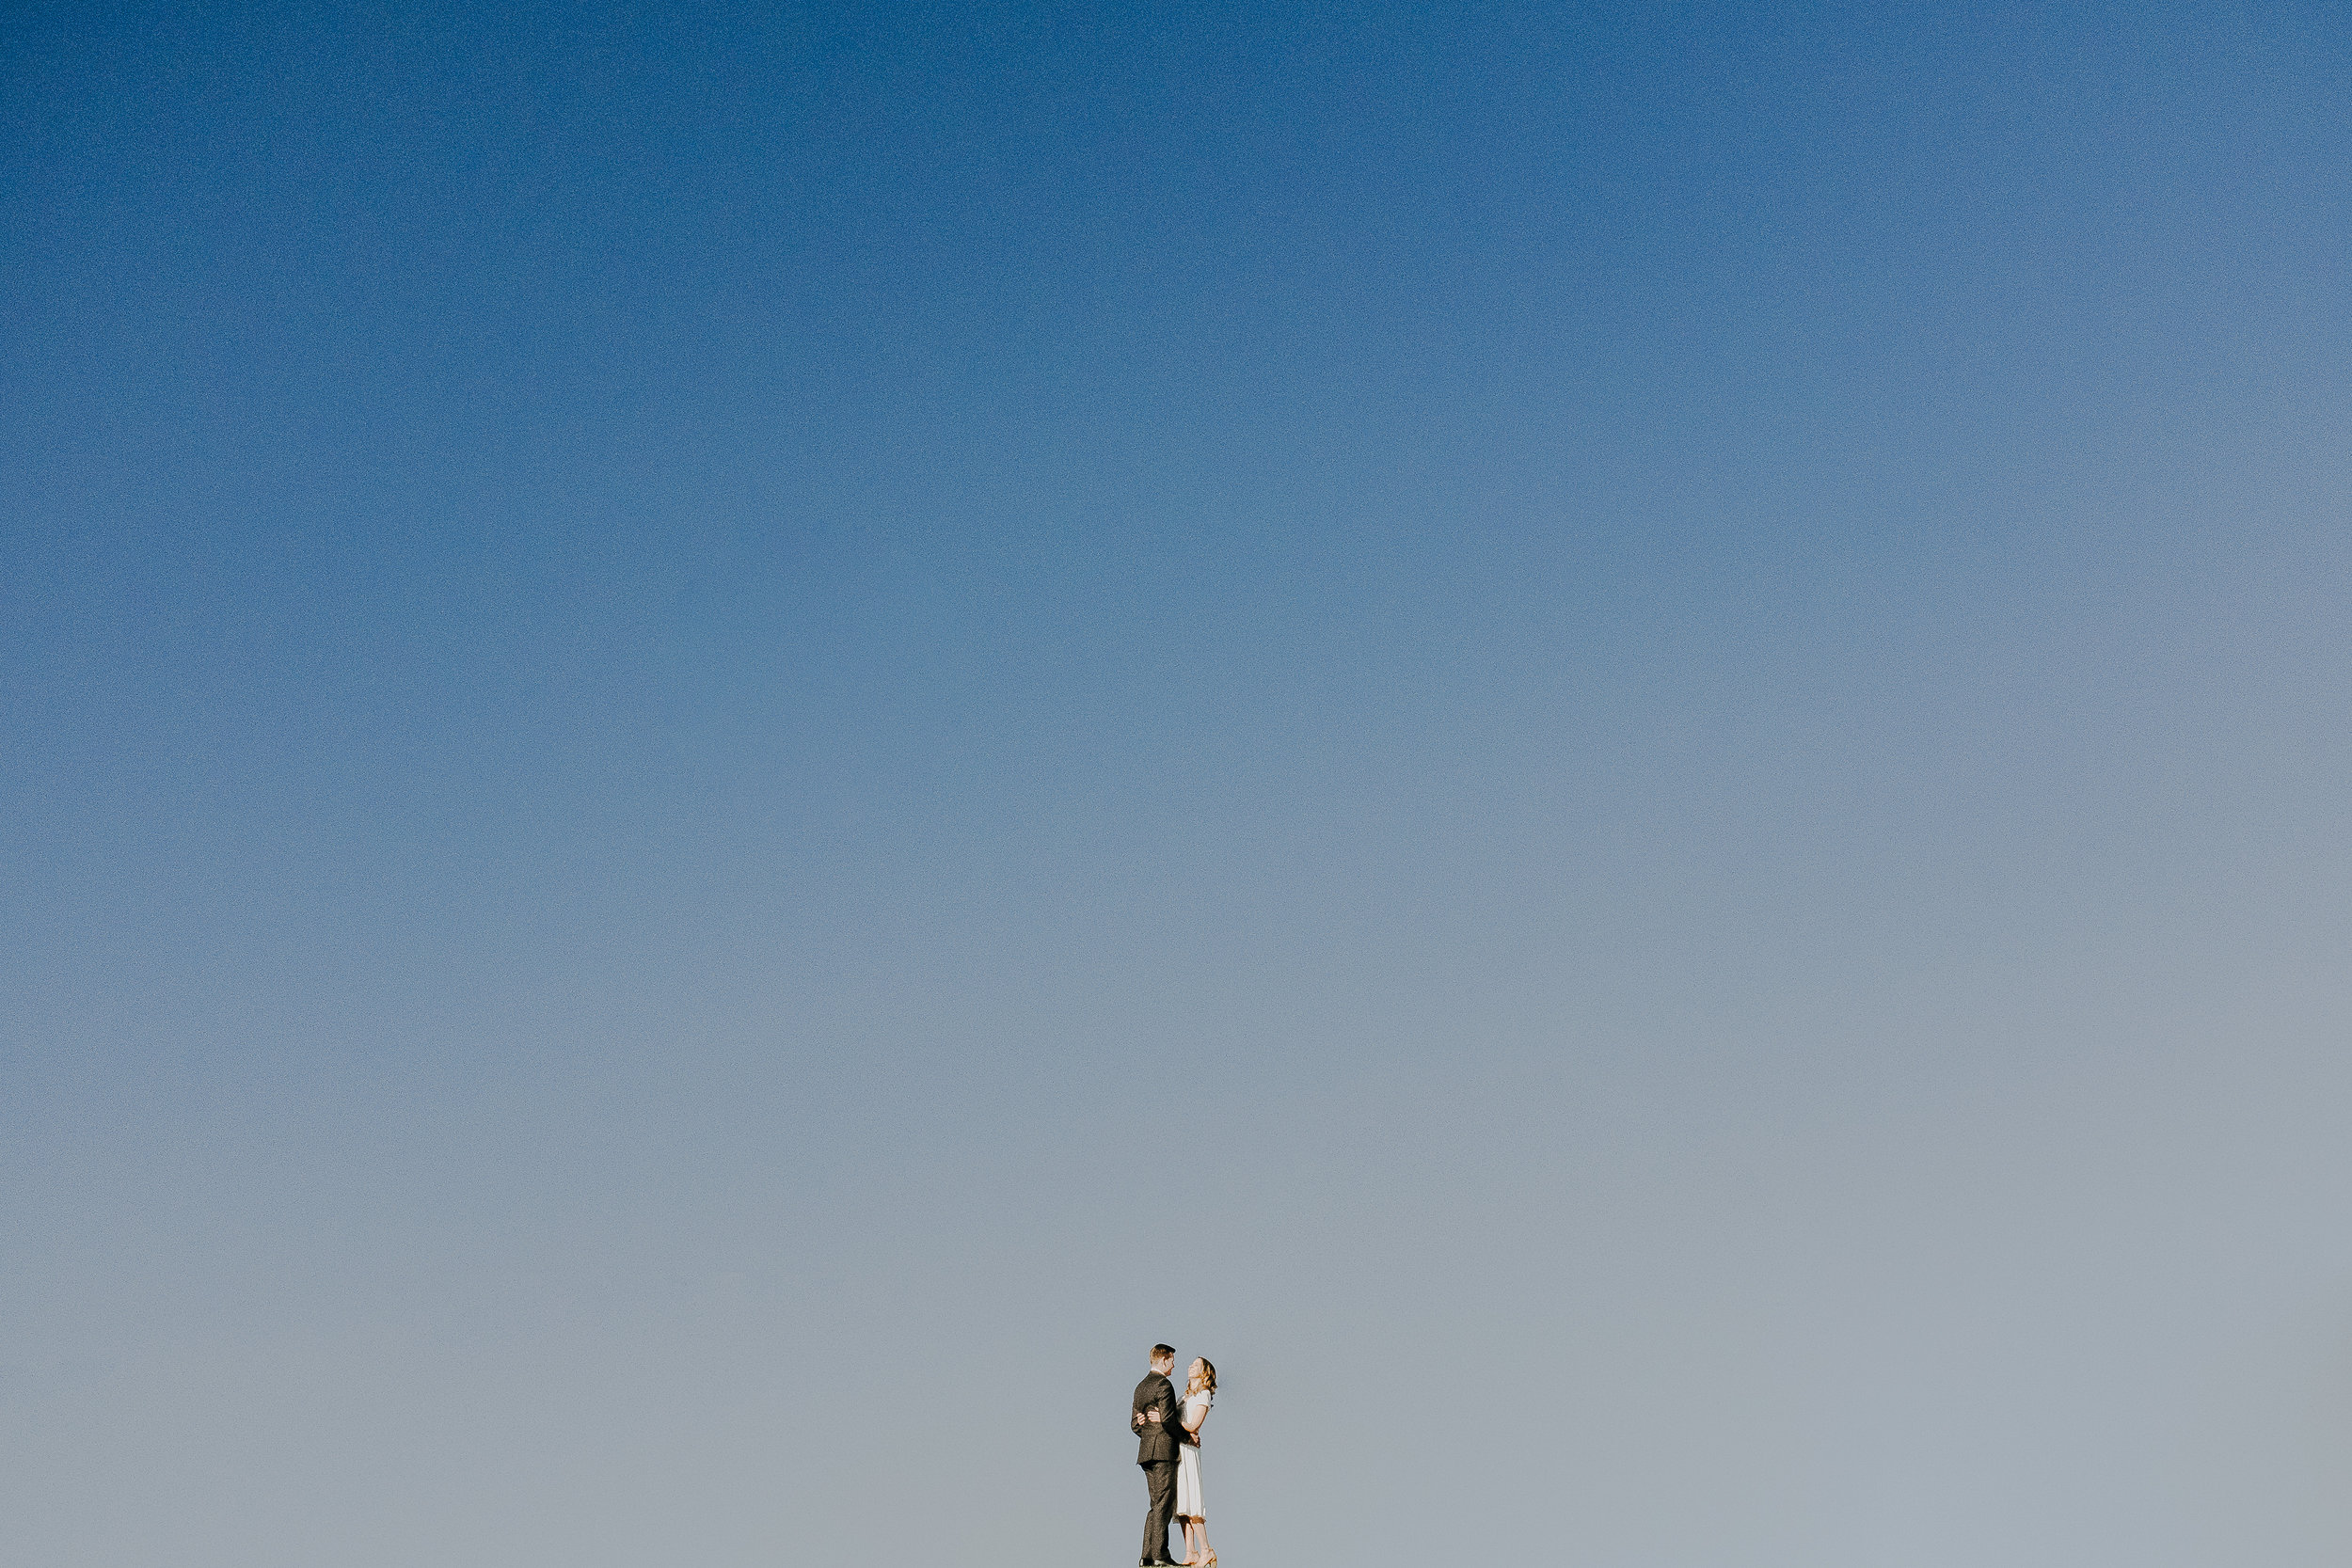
(1169, 1449)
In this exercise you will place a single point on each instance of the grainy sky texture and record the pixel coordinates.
(1613, 742)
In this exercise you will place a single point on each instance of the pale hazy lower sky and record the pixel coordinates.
(1611, 741)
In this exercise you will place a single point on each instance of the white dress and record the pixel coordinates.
(1188, 1463)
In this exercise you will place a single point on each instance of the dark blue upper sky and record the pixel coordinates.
(610, 608)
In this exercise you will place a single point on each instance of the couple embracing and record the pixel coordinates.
(1169, 1453)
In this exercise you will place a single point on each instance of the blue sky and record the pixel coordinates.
(1611, 741)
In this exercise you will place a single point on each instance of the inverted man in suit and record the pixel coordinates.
(1154, 1422)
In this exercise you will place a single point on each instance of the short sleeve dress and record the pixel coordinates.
(1188, 1462)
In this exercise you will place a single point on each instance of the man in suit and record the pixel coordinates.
(1155, 1423)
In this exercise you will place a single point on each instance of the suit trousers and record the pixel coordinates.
(1160, 1476)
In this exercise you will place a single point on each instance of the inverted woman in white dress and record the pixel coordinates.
(1199, 1393)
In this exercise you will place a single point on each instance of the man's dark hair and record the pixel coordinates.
(1160, 1351)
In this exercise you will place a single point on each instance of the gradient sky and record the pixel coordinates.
(1614, 742)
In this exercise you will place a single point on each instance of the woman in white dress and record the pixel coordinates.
(1199, 1393)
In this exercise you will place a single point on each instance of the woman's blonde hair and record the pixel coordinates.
(1205, 1380)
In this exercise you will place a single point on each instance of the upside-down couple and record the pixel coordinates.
(1169, 1452)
